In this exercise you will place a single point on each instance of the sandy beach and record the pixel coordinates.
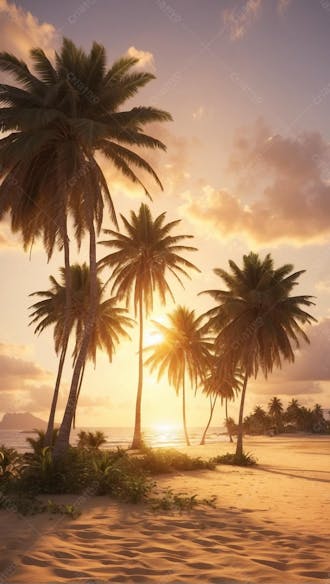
(270, 524)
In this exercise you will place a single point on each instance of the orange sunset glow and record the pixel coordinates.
(165, 290)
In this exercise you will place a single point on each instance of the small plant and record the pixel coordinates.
(39, 443)
(10, 464)
(91, 440)
(62, 509)
(170, 501)
(246, 459)
(30, 505)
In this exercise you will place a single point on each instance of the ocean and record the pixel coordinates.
(122, 437)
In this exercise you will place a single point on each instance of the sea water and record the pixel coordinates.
(122, 437)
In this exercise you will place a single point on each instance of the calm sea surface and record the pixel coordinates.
(123, 437)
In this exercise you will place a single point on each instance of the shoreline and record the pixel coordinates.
(269, 526)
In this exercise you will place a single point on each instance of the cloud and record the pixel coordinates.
(282, 6)
(24, 385)
(20, 31)
(239, 20)
(146, 59)
(171, 166)
(18, 374)
(310, 372)
(312, 362)
(281, 192)
(286, 387)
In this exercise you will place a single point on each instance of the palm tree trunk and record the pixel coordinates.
(212, 404)
(229, 434)
(66, 334)
(239, 444)
(78, 394)
(51, 419)
(184, 411)
(63, 438)
(137, 437)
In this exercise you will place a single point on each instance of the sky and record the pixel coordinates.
(247, 168)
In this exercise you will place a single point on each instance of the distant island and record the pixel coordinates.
(24, 421)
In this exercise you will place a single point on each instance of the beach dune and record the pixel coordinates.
(270, 525)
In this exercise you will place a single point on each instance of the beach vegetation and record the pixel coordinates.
(232, 458)
(91, 440)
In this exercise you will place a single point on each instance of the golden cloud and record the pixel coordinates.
(20, 31)
(146, 59)
(282, 191)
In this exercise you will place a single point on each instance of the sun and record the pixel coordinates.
(153, 337)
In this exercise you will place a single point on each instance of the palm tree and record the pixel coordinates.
(91, 440)
(319, 422)
(292, 413)
(275, 410)
(109, 326)
(142, 260)
(256, 320)
(184, 351)
(223, 383)
(59, 118)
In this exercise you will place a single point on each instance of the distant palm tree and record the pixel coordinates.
(256, 320)
(110, 323)
(91, 440)
(184, 351)
(275, 410)
(319, 423)
(220, 382)
(143, 259)
(59, 118)
(292, 413)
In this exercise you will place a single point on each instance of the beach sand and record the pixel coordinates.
(271, 524)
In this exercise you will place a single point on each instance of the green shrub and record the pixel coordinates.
(91, 440)
(167, 460)
(39, 443)
(170, 501)
(10, 464)
(30, 505)
(246, 459)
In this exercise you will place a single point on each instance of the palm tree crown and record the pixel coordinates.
(256, 321)
(144, 256)
(111, 322)
(59, 117)
(184, 350)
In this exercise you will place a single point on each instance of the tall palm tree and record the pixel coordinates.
(109, 326)
(185, 351)
(59, 118)
(142, 260)
(220, 382)
(275, 410)
(256, 320)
